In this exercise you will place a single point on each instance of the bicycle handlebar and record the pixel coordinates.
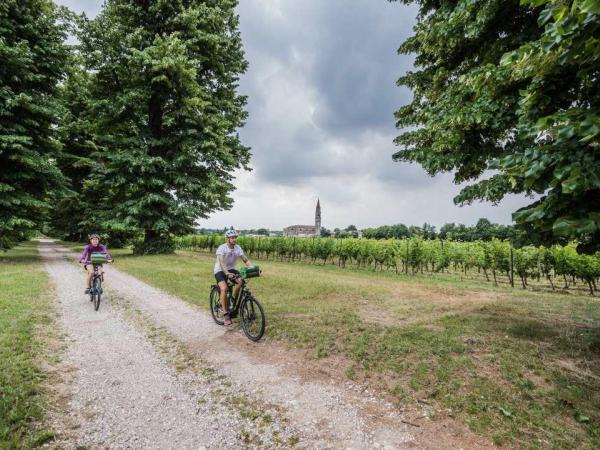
(108, 261)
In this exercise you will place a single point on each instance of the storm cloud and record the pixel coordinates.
(321, 87)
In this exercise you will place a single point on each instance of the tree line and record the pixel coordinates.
(483, 230)
(131, 132)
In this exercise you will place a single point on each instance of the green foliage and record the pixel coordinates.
(163, 115)
(417, 255)
(397, 231)
(512, 88)
(483, 230)
(33, 56)
(76, 213)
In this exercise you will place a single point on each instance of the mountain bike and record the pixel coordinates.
(96, 289)
(249, 309)
(97, 259)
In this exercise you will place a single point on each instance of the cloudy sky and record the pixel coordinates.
(321, 97)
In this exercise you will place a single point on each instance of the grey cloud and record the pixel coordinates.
(357, 67)
(321, 96)
(347, 56)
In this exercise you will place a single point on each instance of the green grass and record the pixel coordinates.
(520, 367)
(25, 311)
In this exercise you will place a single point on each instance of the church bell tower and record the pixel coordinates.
(318, 219)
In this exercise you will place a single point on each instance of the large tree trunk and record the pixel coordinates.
(155, 243)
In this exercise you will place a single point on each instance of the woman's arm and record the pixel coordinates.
(84, 255)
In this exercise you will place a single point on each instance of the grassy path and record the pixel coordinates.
(26, 313)
(522, 368)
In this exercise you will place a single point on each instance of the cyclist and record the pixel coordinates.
(93, 246)
(227, 253)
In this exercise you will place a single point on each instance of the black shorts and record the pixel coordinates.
(220, 276)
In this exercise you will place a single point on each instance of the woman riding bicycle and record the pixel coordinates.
(227, 254)
(93, 246)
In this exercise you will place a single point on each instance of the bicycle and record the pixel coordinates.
(97, 260)
(251, 312)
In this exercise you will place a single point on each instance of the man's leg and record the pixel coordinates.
(238, 285)
(223, 294)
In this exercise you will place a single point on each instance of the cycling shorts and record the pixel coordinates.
(220, 275)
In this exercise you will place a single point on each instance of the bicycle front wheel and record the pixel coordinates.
(252, 318)
(97, 289)
(216, 309)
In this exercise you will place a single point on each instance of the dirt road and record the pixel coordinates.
(152, 371)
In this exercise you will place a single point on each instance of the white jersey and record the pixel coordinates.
(229, 256)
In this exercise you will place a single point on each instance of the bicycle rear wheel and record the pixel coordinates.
(97, 289)
(252, 318)
(216, 309)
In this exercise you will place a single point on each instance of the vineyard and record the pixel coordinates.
(559, 266)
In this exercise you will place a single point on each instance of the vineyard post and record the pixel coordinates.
(512, 266)
(406, 260)
(443, 258)
(294, 248)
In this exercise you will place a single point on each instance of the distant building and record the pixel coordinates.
(306, 230)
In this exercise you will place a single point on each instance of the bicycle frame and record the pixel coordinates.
(97, 274)
(234, 302)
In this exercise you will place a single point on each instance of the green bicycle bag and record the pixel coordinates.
(98, 258)
(250, 272)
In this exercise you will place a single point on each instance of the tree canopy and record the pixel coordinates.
(164, 113)
(33, 57)
(506, 96)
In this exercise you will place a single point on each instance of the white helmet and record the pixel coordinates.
(231, 233)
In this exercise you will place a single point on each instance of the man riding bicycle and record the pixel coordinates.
(227, 254)
(94, 246)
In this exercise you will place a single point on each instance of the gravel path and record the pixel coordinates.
(126, 395)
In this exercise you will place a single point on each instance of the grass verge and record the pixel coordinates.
(25, 311)
(520, 367)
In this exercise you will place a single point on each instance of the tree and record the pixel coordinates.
(166, 113)
(349, 232)
(399, 231)
(325, 232)
(428, 231)
(483, 230)
(447, 230)
(33, 58)
(414, 231)
(513, 88)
